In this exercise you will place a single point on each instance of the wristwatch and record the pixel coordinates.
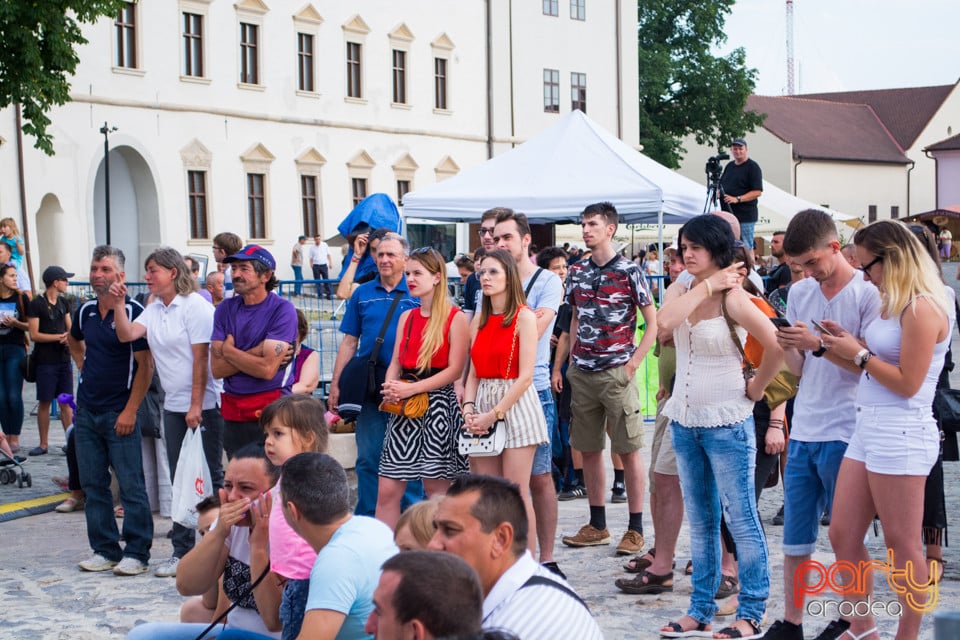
(863, 356)
(739, 199)
(498, 412)
(819, 352)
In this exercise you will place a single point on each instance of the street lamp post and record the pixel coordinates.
(106, 130)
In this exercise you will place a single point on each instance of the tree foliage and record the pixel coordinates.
(684, 88)
(38, 41)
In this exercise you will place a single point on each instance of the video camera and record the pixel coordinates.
(713, 168)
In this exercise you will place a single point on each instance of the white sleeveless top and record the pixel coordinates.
(883, 337)
(709, 390)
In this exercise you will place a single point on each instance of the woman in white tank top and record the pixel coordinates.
(896, 439)
(711, 413)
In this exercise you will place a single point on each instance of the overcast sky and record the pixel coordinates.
(845, 45)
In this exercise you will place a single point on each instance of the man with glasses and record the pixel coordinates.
(488, 222)
(823, 413)
(605, 292)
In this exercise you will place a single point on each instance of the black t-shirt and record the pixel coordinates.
(10, 306)
(53, 320)
(470, 289)
(780, 276)
(738, 179)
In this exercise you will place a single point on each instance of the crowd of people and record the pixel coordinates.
(473, 420)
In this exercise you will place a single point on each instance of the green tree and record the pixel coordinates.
(38, 41)
(684, 88)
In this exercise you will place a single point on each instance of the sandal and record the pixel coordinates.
(729, 585)
(689, 568)
(861, 636)
(702, 630)
(646, 583)
(936, 564)
(636, 564)
(728, 608)
(118, 511)
(734, 632)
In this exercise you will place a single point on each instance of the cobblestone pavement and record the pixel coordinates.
(47, 596)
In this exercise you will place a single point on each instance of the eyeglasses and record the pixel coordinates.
(485, 231)
(425, 251)
(482, 273)
(866, 268)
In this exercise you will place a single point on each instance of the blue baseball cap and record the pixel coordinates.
(738, 142)
(253, 252)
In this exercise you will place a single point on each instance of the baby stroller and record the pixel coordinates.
(8, 475)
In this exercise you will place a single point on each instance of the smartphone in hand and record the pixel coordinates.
(822, 329)
(780, 323)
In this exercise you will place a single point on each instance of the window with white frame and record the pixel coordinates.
(308, 205)
(399, 76)
(358, 187)
(551, 8)
(256, 205)
(249, 48)
(440, 83)
(551, 90)
(125, 27)
(197, 205)
(578, 9)
(305, 62)
(192, 44)
(578, 91)
(354, 70)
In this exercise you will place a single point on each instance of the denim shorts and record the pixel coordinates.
(543, 457)
(808, 484)
(293, 607)
(900, 442)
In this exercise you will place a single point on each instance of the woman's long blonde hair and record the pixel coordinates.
(433, 334)
(908, 271)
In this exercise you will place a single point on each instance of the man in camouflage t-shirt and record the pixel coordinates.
(605, 291)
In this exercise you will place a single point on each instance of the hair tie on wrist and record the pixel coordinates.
(709, 288)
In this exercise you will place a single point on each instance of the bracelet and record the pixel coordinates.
(780, 428)
(464, 405)
(709, 288)
(355, 259)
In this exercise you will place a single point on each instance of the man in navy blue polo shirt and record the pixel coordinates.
(114, 377)
(366, 312)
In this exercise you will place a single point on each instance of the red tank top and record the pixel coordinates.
(491, 349)
(412, 338)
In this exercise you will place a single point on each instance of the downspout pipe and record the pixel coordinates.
(913, 165)
(23, 195)
(489, 80)
(936, 179)
(795, 165)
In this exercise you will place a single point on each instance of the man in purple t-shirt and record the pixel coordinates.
(251, 346)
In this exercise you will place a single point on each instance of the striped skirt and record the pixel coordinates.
(425, 447)
(526, 424)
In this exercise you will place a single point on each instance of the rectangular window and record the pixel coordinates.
(551, 7)
(354, 87)
(256, 206)
(551, 90)
(578, 91)
(894, 212)
(193, 45)
(249, 73)
(399, 76)
(440, 83)
(304, 62)
(359, 186)
(872, 213)
(308, 200)
(403, 188)
(197, 201)
(578, 9)
(126, 29)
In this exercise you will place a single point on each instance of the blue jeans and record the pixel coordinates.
(11, 388)
(298, 276)
(173, 631)
(174, 431)
(370, 431)
(716, 468)
(293, 606)
(746, 233)
(98, 449)
(543, 456)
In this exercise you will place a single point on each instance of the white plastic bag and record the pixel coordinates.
(191, 480)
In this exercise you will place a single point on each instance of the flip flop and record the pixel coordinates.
(689, 568)
(733, 632)
(676, 631)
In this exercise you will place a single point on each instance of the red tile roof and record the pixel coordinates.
(905, 112)
(950, 144)
(827, 130)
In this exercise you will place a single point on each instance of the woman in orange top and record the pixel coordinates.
(431, 348)
(500, 384)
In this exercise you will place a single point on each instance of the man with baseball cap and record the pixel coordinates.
(48, 317)
(251, 346)
(742, 185)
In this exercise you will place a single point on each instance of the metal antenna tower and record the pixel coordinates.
(790, 84)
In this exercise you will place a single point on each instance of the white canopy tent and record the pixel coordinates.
(554, 175)
(777, 207)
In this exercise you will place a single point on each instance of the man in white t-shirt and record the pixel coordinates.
(824, 413)
(544, 293)
(320, 263)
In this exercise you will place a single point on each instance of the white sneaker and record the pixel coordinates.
(168, 569)
(97, 563)
(130, 567)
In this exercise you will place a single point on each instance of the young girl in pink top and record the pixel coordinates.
(293, 424)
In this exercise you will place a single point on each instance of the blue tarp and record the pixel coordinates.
(376, 211)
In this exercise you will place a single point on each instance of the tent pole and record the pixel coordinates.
(660, 250)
